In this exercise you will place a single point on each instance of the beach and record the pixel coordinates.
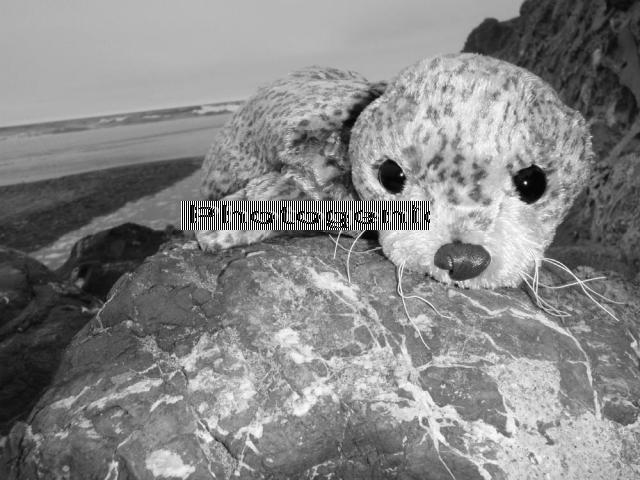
(56, 188)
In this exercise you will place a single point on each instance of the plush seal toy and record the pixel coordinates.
(491, 145)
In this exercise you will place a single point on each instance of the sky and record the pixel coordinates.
(76, 58)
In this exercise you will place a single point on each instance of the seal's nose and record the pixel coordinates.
(462, 260)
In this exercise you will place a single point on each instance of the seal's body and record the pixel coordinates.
(287, 142)
(491, 145)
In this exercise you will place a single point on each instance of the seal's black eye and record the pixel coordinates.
(391, 176)
(530, 182)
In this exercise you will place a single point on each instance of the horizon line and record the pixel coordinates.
(113, 114)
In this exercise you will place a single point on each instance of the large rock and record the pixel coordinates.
(39, 314)
(589, 51)
(266, 362)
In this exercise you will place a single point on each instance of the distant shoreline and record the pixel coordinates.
(118, 119)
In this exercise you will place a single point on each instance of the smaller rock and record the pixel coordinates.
(98, 260)
(18, 274)
(39, 315)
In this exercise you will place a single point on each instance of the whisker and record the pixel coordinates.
(578, 280)
(337, 242)
(581, 282)
(534, 286)
(571, 284)
(417, 297)
(541, 302)
(349, 254)
(337, 245)
(585, 288)
(404, 304)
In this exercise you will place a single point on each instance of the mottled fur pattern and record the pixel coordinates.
(288, 142)
(298, 126)
(460, 126)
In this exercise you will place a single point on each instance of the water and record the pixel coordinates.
(27, 159)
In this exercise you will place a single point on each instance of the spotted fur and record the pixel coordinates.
(460, 126)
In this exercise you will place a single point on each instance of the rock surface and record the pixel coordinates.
(41, 310)
(589, 51)
(39, 314)
(266, 362)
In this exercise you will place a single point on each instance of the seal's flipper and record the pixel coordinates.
(270, 186)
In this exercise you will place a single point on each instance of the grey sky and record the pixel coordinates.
(69, 58)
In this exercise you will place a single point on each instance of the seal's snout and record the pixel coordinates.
(462, 260)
